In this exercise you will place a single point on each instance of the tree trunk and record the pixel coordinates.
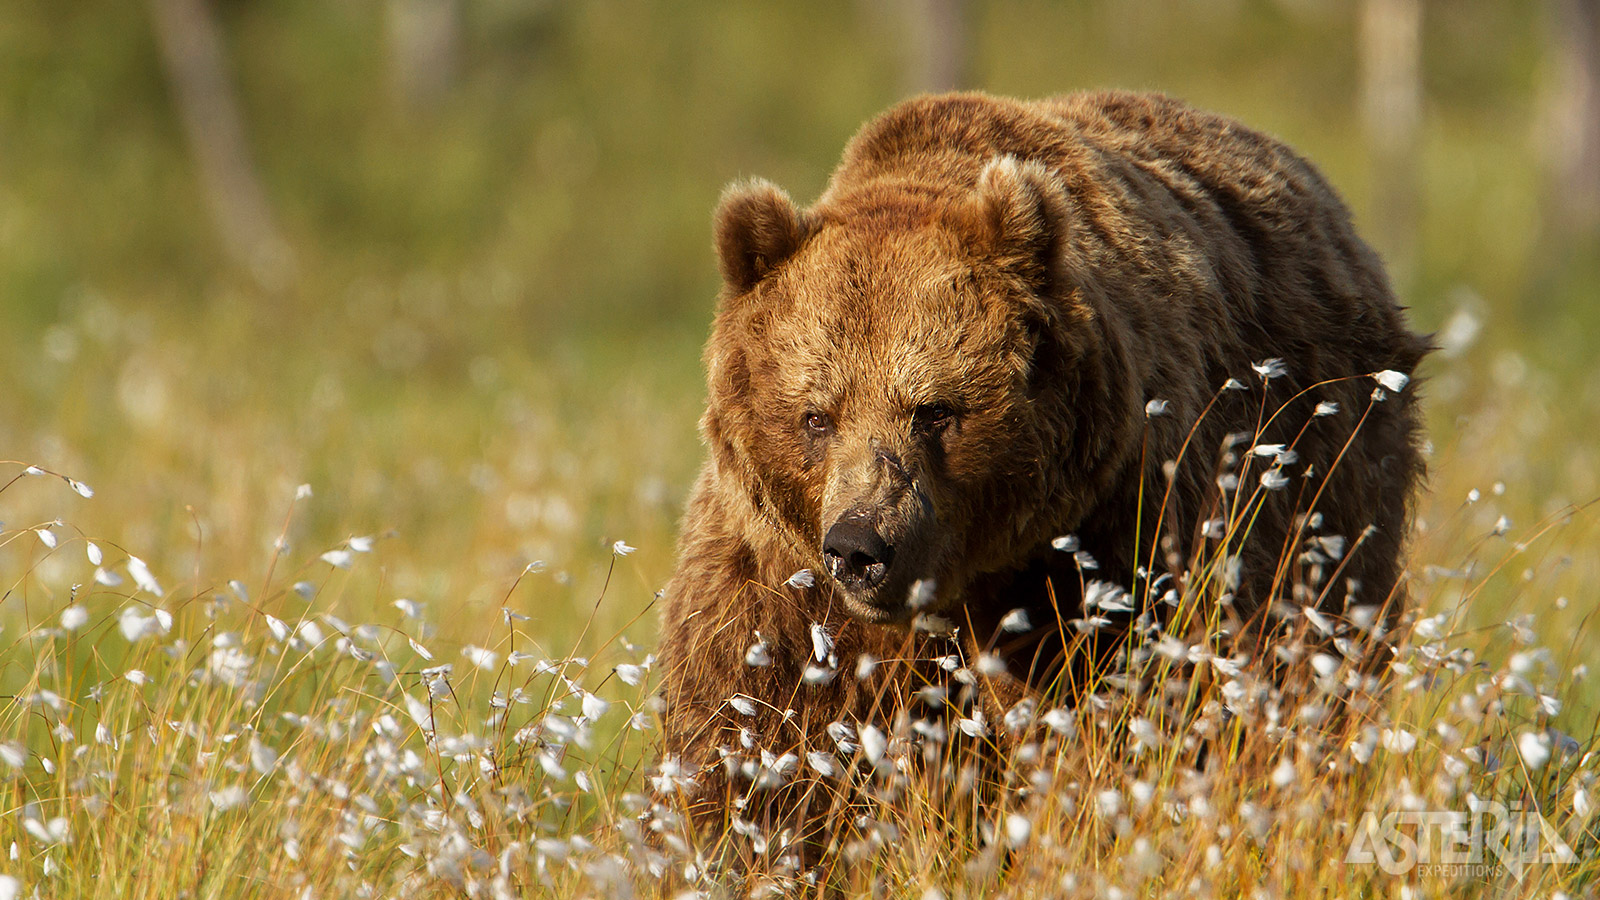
(938, 45)
(195, 61)
(1572, 116)
(1391, 106)
(424, 48)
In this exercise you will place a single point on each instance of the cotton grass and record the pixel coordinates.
(294, 727)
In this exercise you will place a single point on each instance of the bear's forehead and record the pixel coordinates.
(904, 285)
(902, 312)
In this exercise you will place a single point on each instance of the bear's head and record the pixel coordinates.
(892, 378)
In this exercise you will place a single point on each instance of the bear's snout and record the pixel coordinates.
(855, 554)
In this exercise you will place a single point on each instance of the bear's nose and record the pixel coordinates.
(856, 555)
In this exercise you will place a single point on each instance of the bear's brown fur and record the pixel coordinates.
(945, 363)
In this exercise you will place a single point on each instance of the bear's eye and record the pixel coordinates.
(818, 422)
(933, 416)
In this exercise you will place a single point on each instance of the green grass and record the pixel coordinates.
(490, 357)
(274, 740)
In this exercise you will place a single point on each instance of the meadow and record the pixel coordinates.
(344, 586)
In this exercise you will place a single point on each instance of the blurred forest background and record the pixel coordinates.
(448, 261)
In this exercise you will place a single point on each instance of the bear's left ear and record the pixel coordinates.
(1018, 216)
(757, 228)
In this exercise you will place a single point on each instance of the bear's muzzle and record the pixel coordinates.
(855, 553)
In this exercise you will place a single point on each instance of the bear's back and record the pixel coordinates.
(1265, 237)
(943, 141)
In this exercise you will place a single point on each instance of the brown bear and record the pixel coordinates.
(1017, 353)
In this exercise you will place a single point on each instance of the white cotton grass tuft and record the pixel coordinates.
(136, 626)
(1326, 408)
(758, 655)
(421, 712)
(1061, 721)
(823, 763)
(621, 548)
(923, 592)
(1108, 803)
(1399, 741)
(1268, 369)
(821, 642)
(14, 755)
(1146, 735)
(801, 579)
(1392, 380)
(279, 629)
(973, 726)
(142, 577)
(57, 830)
(1018, 829)
(594, 708)
(866, 664)
(1274, 480)
(874, 743)
(74, 617)
(229, 798)
(1156, 408)
(263, 759)
(1016, 621)
(1067, 543)
(1318, 621)
(1020, 715)
(1107, 597)
(46, 537)
(1284, 774)
(481, 657)
(1534, 748)
(1325, 665)
(817, 674)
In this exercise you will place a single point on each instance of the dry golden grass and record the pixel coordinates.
(273, 723)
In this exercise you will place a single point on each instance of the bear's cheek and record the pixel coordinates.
(795, 470)
(984, 477)
(793, 499)
(982, 448)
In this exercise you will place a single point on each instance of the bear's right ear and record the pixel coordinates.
(757, 228)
